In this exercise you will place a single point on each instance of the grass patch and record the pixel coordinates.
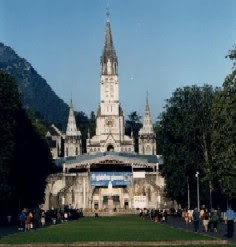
(104, 229)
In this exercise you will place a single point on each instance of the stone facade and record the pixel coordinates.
(73, 186)
(111, 176)
(78, 193)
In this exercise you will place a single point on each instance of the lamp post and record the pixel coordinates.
(198, 199)
(188, 193)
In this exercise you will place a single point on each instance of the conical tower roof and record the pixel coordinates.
(147, 121)
(109, 53)
(71, 129)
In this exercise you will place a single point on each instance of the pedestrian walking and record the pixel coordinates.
(196, 219)
(43, 220)
(190, 215)
(202, 214)
(22, 220)
(230, 222)
(215, 220)
(205, 221)
(165, 214)
(36, 219)
(186, 216)
(29, 221)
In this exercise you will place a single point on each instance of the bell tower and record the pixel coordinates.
(109, 85)
(110, 131)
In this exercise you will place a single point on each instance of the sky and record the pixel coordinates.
(161, 45)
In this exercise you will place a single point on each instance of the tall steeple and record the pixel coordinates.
(109, 61)
(110, 129)
(71, 129)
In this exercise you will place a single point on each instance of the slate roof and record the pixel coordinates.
(52, 131)
(151, 159)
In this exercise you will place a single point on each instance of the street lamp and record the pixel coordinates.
(198, 199)
(188, 193)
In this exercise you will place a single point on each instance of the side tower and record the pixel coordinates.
(73, 136)
(147, 137)
(110, 131)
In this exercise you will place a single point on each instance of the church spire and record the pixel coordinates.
(109, 60)
(147, 137)
(71, 129)
(147, 121)
(147, 108)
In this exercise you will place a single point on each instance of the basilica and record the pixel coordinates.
(110, 175)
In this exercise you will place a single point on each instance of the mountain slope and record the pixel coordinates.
(36, 94)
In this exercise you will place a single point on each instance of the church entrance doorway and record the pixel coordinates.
(111, 202)
(110, 148)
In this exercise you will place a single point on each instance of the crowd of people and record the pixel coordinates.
(154, 214)
(210, 219)
(34, 218)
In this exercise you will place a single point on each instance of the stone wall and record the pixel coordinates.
(74, 189)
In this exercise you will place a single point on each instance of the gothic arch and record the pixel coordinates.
(110, 147)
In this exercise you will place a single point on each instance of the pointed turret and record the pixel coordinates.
(73, 135)
(147, 137)
(109, 60)
(71, 129)
(147, 121)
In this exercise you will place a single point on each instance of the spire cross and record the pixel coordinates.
(108, 13)
(147, 97)
(70, 98)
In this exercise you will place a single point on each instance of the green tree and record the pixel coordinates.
(224, 136)
(10, 106)
(82, 123)
(92, 124)
(39, 123)
(232, 55)
(184, 138)
(133, 125)
(25, 159)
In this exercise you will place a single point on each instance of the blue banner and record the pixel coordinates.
(116, 178)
